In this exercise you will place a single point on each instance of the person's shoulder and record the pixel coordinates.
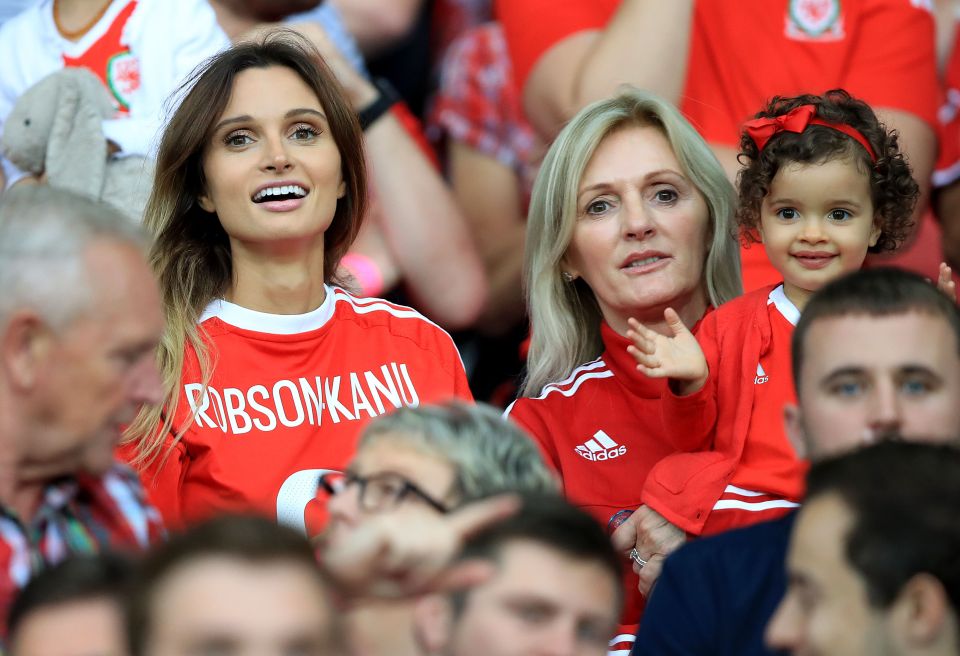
(399, 320)
(566, 389)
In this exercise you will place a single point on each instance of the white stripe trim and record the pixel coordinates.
(784, 305)
(735, 504)
(596, 364)
(399, 311)
(582, 370)
(943, 177)
(275, 324)
(622, 637)
(733, 489)
(572, 390)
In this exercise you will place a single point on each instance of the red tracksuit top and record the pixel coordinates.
(287, 400)
(602, 429)
(744, 469)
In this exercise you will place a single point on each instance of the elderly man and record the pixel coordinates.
(876, 354)
(79, 323)
(412, 466)
(873, 556)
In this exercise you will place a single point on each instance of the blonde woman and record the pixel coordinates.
(271, 370)
(631, 213)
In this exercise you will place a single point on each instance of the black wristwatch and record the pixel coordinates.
(387, 98)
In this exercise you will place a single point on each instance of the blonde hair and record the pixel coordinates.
(565, 318)
(191, 252)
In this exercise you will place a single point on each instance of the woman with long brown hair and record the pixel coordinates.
(271, 368)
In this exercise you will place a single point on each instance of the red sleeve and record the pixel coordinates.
(533, 26)
(948, 162)
(413, 128)
(902, 74)
(691, 420)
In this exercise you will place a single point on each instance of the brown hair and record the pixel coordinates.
(191, 252)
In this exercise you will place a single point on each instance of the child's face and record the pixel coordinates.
(817, 223)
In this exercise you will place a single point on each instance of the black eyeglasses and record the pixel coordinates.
(378, 492)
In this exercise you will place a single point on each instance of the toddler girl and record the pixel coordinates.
(823, 184)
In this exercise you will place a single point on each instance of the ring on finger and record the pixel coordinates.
(635, 557)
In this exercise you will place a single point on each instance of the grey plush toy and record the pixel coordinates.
(55, 128)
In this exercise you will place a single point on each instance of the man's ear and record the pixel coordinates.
(793, 424)
(921, 614)
(24, 348)
(433, 623)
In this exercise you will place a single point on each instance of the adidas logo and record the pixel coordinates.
(601, 447)
(762, 376)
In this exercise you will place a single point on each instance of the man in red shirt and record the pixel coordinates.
(79, 324)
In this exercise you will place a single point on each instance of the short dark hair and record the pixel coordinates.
(880, 292)
(249, 538)
(79, 578)
(905, 501)
(892, 188)
(553, 522)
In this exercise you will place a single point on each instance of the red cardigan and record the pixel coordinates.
(684, 486)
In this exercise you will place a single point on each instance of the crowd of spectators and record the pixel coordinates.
(461, 327)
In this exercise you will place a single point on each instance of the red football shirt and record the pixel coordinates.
(287, 400)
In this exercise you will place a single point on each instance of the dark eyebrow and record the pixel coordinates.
(912, 368)
(843, 371)
(780, 201)
(648, 176)
(245, 118)
(231, 121)
(305, 110)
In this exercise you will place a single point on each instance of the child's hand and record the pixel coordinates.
(678, 357)
(945, 282)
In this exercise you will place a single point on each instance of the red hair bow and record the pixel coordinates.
(796, 120)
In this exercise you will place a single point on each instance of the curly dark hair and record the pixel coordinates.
(893, 189)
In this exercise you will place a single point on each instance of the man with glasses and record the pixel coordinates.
(411, 465)
(80, 320)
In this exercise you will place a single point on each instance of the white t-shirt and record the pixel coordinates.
(157, 45)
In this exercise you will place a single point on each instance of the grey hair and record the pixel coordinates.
(565, 318)
(44, 233)
(488, 453)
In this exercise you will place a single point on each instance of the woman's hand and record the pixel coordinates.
(653, 537)
(678, 357)
(945, 282)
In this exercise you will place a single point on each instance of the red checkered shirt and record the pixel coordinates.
(479, 105)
